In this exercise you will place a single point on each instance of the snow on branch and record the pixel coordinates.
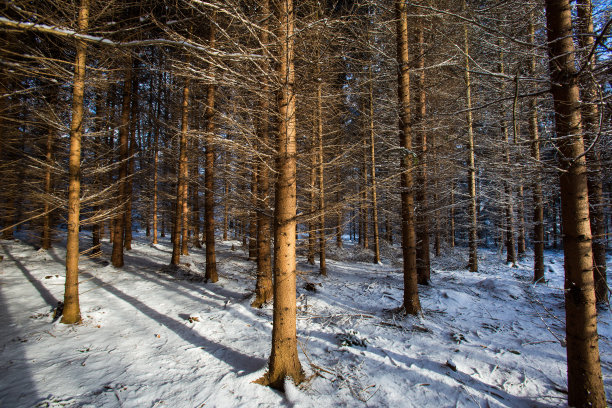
(66, 32)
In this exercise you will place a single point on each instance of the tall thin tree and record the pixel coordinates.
(72, 312)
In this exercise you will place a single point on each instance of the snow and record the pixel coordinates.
(154, 336)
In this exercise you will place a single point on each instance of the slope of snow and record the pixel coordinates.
(153, 336)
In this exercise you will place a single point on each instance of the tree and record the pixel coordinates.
(263, 289)
(423, 261)
(72, 313)
(209, 168)
(284, 361)
(124, 129)
(473, 214)
(411, 305)
(590, 118)
(585, 384)
(180, 217)
(538, 206)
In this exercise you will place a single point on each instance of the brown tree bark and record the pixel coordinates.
(46, 236)
(423, 261)
(521, 246)
(339, 217)
(156, 166)
(473, 233)
(590, 119)
(312, 238)
(373, 163)
(72, 313)
(585, 384)
(225, 210)
(451, 232)
(411, 305)
(209, 168)
(134, 123)
(195, 194)
(99, 127)
(119, 223)
(253, 215)
(365, 240)
(263, 287)
(321, 178)
(182, 181)
(538, 205)
(508, 201)
(284, 361)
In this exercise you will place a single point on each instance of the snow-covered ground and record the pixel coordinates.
(152, 337)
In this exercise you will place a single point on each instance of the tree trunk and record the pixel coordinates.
(473, 233)
(373, 164)
(411, 304)
(590, 119)
(508, 195)
(156, 168)
(263, 288)
(253, 215)
(585, 384)
(180, 223)
(339, 223)
(99, 129)
(423, 261)
(284, 361)
(195, 193)
(118, 228)
(452, 240)
(48, 178)
(538, 206)
(320, 152)
(225, 209)
(313, 206)
(209, 177)
(72, 313)
(521, 245)
(134, 123)
(364, 198)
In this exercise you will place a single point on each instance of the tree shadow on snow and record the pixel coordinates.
(242, 363)
(42, 290)
(17, 387)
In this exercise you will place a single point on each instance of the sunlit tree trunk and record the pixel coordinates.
(585, 384)
(284, 361)
(72, 312)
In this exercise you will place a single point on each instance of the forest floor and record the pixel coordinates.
(158, 337)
